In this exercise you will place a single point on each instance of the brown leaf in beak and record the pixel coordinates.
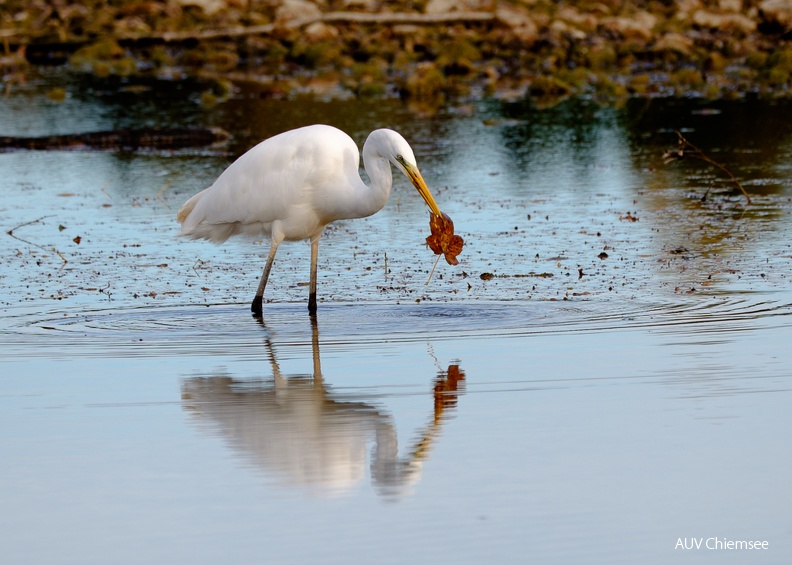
(443, 239)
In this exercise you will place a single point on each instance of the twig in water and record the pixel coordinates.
(104, 189)
(53, 250)
(106, 291)
(687, 149)
(198, 264)
(431, 352)
(161, 192)
(31, 222)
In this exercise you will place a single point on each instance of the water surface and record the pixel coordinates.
(617, 380)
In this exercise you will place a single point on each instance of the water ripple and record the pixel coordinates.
(202, 330)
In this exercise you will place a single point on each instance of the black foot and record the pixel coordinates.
(256, 308)
(312, 304)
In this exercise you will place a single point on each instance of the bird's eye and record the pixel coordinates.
(400, 159)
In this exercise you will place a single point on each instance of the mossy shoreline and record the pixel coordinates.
(427, 51)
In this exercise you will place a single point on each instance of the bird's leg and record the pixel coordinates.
(256, 307)
(314, 260)
(317, 363)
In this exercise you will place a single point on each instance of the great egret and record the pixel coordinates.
(290, 186)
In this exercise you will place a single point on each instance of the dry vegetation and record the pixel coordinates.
(427, 50)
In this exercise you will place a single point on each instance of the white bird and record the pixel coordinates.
(290, 186)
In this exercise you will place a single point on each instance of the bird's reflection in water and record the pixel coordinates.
(298, 429)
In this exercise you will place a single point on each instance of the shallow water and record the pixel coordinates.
(563, 408)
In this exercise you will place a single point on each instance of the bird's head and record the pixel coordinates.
(396, 149)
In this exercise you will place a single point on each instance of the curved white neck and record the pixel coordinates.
(372, 198)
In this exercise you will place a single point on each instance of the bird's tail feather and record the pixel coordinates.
(194, 225)
(188, 206)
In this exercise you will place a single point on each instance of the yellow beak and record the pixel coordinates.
(420, 184)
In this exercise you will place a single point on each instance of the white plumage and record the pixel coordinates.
(290, 186)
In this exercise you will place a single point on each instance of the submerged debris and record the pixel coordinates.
(687, 149)
(124, 139)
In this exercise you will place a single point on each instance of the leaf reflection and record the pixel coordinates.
(298, 429)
